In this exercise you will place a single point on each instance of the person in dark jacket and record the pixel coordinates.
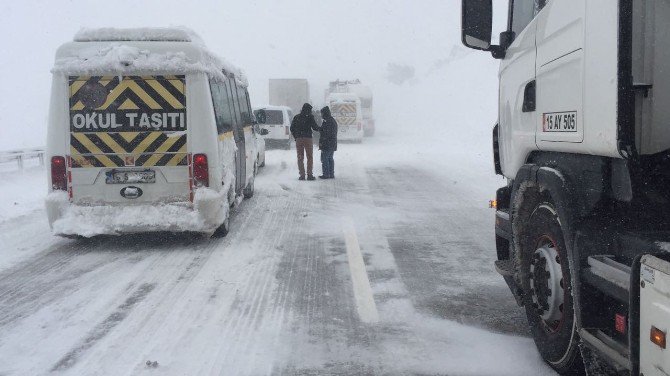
(301, 129)
(327, 143)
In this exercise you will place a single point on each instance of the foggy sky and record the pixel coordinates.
(317, 40)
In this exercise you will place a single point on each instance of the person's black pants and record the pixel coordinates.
(328, 163)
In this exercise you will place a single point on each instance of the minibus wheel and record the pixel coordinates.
(249, 189)
(223, 230)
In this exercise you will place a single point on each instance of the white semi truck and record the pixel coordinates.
(291, 92)
(583, 138)
(364, 93)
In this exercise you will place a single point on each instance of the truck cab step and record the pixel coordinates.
(608, 347)
(609, 276)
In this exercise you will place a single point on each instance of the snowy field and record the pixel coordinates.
(385, 270)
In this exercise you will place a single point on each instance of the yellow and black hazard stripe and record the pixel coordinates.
(339, 111)
(128, 121)
(131, 93)
(123, 149)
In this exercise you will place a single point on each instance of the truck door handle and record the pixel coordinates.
(529, 97)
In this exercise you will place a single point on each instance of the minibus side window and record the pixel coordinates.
(234, 102)
(232, 92)
(221, 107)
(245, 111)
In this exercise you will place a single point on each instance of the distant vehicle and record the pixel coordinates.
(277, 122)
(364, 93)
(134, 150)
(291, 92)
(346, 109)
(583, 143)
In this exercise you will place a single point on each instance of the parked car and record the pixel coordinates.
(277, 121)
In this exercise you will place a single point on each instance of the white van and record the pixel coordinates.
(148, 131)
(346, 109)
(277, 121)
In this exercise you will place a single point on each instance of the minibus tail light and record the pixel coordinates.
(58, 173)
(286, 130)
(200, 170)
(359, 125)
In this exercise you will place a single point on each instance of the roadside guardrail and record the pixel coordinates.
(19, 156)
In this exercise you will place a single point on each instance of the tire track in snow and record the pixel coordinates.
(38, 282)
(142, 327)
(102, 329)
(251, 303)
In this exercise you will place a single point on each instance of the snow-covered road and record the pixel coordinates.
(385, 270)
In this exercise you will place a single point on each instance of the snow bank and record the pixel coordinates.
(121, 51)
(23, 191)
(205, 214)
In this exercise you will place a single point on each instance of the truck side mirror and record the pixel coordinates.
(477, 24)
(261, 116)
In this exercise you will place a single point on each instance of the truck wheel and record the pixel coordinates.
(547, 286)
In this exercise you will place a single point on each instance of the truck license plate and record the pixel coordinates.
(128, 177)
(559, 121)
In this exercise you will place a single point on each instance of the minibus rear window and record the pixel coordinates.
(274, 117)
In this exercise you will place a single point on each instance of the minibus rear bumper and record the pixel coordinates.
(204, 215)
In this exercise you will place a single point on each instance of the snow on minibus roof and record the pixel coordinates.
(142, 55)
(157, 34)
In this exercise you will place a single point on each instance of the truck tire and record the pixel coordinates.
(546, 282)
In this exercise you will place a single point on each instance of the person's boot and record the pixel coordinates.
(323, 177)
(301, 178)
(311, 177)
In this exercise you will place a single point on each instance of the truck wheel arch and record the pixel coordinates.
(535, 180)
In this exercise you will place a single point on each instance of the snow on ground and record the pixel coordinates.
(277, 295)
(24, 230)
(23, 191)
